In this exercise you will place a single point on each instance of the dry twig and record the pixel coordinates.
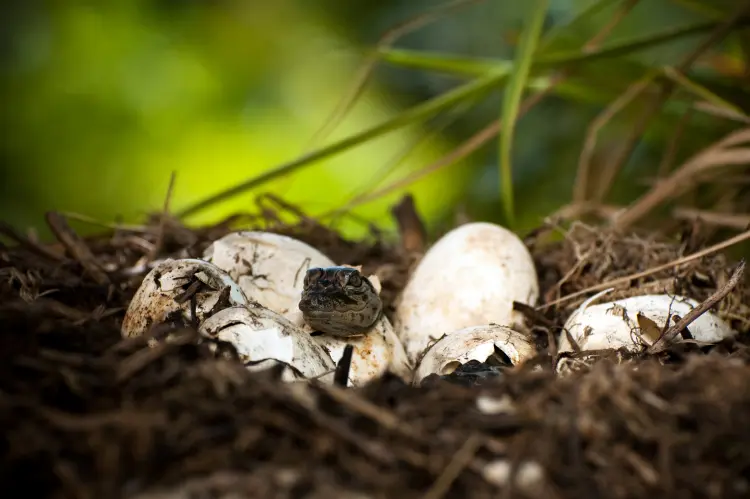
(460, 460)
(663, 342)
(156, 248)
(76, 246)
(722, 153)
(729, 220)
(664, 92)
(628, 278)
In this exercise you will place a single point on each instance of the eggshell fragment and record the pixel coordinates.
(617, 324)
(374, 353)
(473, 343)
(263, 338)
(156, 300)
(471, 276)
(270, 268)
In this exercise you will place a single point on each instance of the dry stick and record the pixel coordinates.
(461, 459)
(715, 155)
(665, 91)
(30, 245)
(720, 112)
(730, 220)
(70, 215)
(576, 211)
(580, 188)
(674, 263)
(593, 44)
(363, 74)
(411, 229)
(163, 220)
(76, 246)
(674, 144)
(662, 343)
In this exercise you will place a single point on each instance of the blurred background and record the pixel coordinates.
(102, 101)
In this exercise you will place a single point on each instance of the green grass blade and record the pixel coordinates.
(563, 29)
(473, 89)
(512, 100)
(631, 45)
(701, 91)
(465, 65)
(445, 63)
(703, 8)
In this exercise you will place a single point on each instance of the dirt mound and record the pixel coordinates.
(87, 414)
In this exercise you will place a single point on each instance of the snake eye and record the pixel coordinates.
(310, 276)
(355, 280)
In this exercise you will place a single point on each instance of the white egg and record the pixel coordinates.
(617, 324)
(471, 276)
(473, 343)
(159, 296)
(270, 268)
(262, 338)
(377, 351)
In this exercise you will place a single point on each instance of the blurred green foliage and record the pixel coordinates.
(104, 100)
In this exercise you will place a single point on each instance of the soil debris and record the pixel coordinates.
(89, 414)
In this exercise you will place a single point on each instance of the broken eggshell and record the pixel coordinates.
(473, 343)
(158, 298)
(263, 338)
(377, 351)
(471, 276)
(636, 321)
(270, 268)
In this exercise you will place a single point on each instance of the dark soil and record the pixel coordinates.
(87, 414)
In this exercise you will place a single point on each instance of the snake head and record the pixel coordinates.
(339, 301)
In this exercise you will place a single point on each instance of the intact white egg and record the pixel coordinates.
(473, 343)
(470, 277)
(166, 291)
(635, 322)
(263, 338)
(377, 351)
(270, 268)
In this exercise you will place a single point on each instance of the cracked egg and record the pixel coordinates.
(470, 277)
(635, 322)
(270, 268)
(264, 338)
(171, 288)
(473, 343)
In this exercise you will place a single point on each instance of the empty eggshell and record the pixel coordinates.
(473, 343)
(270, 268)
(471, 276)
(617, 324)
(263, 337)
(158, 297)
(374, 353)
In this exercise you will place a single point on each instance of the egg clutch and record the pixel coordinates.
(457, 306)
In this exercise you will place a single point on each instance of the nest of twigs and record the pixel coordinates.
(87, 414)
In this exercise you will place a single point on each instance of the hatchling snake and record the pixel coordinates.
(339, 301)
